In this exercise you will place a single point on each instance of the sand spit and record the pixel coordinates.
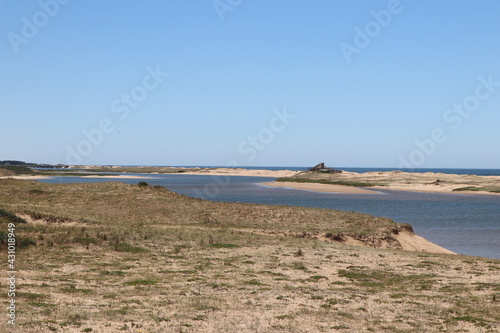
(243, 172)
(192, 171)
(117, 177)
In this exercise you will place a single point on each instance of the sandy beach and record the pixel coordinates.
(326, 188)
(25, 177)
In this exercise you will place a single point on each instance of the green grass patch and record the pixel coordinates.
(140, 282)
(476, 321)
(27, 295)
(478, 189)
(288, 316)
(254, 283)
(316, 278)
(125, 247)
(73, 290)
(386, 280)
(224, 246)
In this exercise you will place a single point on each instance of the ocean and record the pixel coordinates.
(464, 223)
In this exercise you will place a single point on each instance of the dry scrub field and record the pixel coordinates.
(111, 257)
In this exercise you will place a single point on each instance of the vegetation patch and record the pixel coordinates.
(140, 282)
(384, 279)
(478, 189)
(329, 182)
(18, 170)
(477, 321)
(9, 217)
(125, 247)
(224, 246)
(254, 283)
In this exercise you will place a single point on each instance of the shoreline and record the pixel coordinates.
(323, 188)
(344, 189)
(27, 177)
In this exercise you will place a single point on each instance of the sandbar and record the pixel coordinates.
(117, 177)
(242, 172)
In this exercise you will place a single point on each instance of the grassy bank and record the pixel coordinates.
(327, 181)
(111, 257)
(491, 189)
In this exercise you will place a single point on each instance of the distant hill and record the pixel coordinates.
(11, 162)
(14, 164)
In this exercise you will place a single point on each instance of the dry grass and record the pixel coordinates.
(6, 173)
(111, 257)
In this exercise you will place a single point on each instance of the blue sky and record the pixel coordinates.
(262, 83)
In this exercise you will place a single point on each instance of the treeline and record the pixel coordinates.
(20, 163)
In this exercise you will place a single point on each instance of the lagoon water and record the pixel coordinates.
(463, 223)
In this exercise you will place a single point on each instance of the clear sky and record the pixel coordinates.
(256, 83)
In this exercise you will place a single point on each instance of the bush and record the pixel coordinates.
(143, 184)
(21, 243)
(26, 242)
(11, 217)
